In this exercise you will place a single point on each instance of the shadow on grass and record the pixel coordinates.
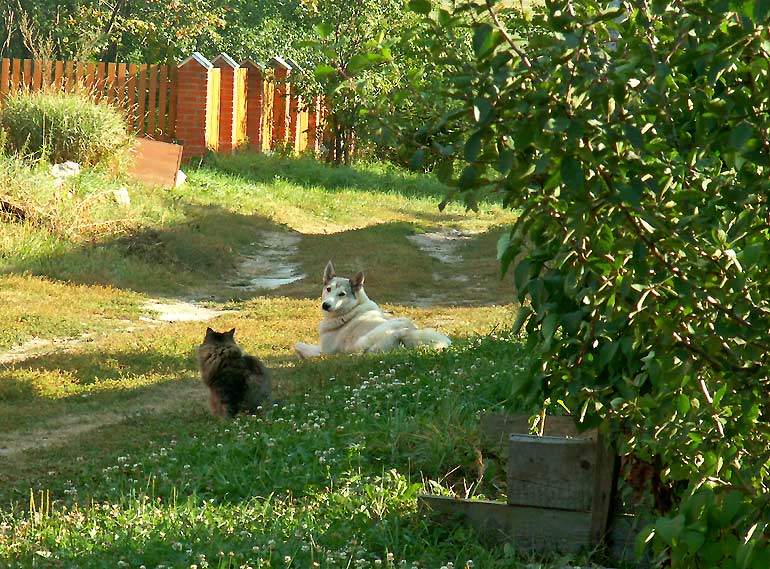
(171, 260)
(199, 259)
(307, 172)
(51, 387)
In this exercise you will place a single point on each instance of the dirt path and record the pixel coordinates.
(265, 269)
(60, 429)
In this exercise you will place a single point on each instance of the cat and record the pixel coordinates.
(237, 382)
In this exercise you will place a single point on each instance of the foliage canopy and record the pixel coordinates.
(634, 141)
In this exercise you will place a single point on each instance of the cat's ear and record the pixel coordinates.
(329, 273)
(230, 333)
(209, 332)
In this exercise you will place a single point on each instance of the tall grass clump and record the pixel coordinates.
(58, 126)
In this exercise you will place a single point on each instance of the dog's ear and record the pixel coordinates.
(329, 273)
(358, 282)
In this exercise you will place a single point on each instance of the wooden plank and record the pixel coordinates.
(5, 76)
(151, 105)
(172, 103)
(58, 74)
(162, 96)
(99, 79)
(110, 82)
(241, 106)
(496, 428)
(141, 99)
(605, 475)
(551, 472)
(131, 103)
(81, 70)
(69, 75)
(26, 74)
(121, 91)
(531, 529)
(292, 138)
(212, 128)
(37, 75)
(267, 113)
(90, 80)
(15, 75)
(155, 163)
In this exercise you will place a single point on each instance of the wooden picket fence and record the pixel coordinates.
(145, 93)
(153, 101)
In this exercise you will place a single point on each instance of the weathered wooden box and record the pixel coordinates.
(560, 488)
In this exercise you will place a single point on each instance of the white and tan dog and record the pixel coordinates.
(353, 323)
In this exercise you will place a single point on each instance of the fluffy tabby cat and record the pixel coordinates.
(236, 381)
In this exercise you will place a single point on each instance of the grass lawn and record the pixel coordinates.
(108, 457)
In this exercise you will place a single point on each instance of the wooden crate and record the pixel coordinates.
(560, 488)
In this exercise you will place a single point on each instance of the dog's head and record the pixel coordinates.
(339, 294)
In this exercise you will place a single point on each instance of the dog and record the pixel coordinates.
(354, 324)
(236, 381)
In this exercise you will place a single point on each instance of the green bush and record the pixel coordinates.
(59, 126)
(634, 142)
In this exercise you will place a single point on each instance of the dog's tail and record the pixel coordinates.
(425, 337)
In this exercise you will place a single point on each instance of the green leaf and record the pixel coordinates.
(417, 160)
(607, 353)
(362, 61)
(549, 328)
(740, 135)
(468, 178)
(634, 135)
(761, 10)
(483, 40)
(420, 6)
(694, 540)
(525, 312)
(505, 162)
(631, 193)
(572, 174)
(669, 529)
(473, 146)
(324, 71)
(324, 29)
(682, 404)
(482, 110)
(444, 170)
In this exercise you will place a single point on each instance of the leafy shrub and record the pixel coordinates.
(634, 142)
(59, 126)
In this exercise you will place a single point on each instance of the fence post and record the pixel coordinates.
(295, 112)
(197, 113)
(255, 78)
(313, 124)
(229, 101)
(281, 96)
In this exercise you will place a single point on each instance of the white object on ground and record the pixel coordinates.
(66, 169)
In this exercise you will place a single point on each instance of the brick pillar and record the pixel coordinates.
(255, 77)
(194, 106)
(228, 101)
(281, 97)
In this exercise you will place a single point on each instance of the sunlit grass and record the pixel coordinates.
(106, 424)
